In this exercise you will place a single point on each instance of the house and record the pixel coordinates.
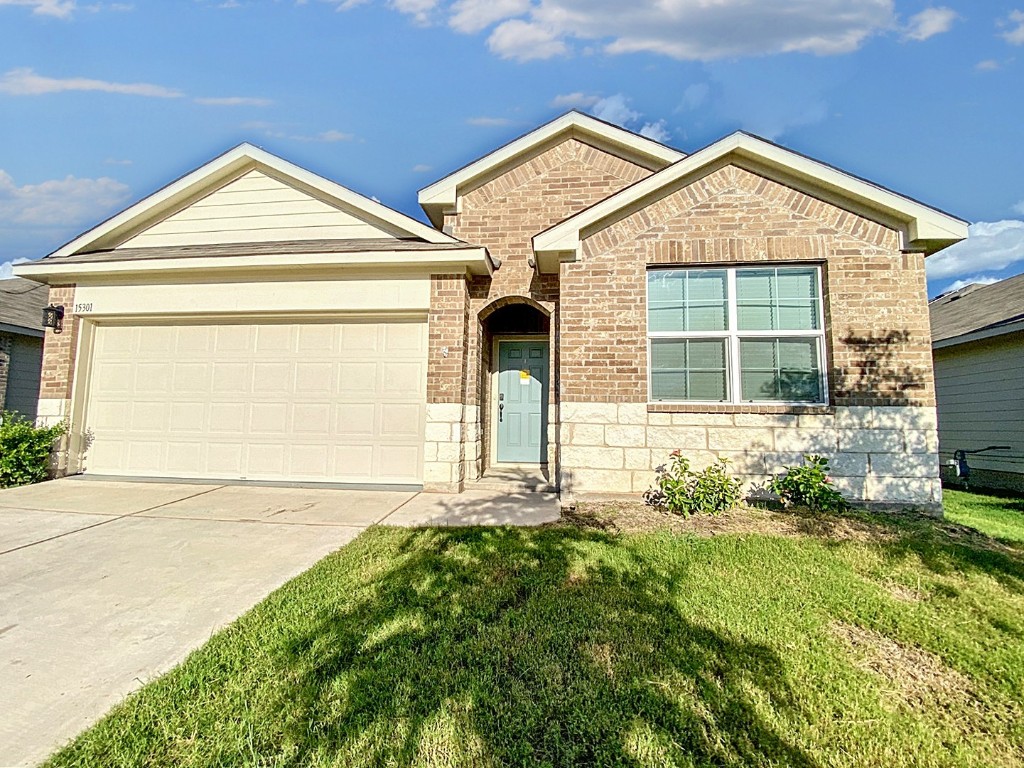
(586, 301)
(978, 346)
(21, 345)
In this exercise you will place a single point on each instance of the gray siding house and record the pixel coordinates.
(21, 344)
(978, 346)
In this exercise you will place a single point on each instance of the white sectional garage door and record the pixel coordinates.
(322, 402)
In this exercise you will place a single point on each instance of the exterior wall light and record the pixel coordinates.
(53, 317)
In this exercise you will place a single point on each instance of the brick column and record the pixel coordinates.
(59, 351)
(444, 468)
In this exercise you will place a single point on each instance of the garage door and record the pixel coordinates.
(334, 402)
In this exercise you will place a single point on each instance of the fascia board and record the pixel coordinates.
(984, 333)
(923, 223)
(472, 260)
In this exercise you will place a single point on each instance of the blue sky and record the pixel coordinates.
(104, 102)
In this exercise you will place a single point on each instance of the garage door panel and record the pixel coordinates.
(399, 380)
(227, 417)
(182, 456)
(150, 416)
(400, 420)
(337, 402)
(319, 339)
(145, 456)
(192, 378)
(224, 459)
(231, 378)
(276, 338)
(233, 338)
(315, 377)
(192, 338)
(268, 419)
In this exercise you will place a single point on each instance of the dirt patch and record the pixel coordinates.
(922, 682)
(903, 593)
(636, 517)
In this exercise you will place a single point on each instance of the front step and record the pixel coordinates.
(514, 480)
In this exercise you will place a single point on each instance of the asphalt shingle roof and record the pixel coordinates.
(22, 302)
(977, 307)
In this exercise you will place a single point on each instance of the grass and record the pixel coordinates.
(1001, 517)
(866, 641)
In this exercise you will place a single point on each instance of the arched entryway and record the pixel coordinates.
(516, 384)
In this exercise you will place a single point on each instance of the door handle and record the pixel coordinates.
(501, 407)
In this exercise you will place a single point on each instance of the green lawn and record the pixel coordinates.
(876, 642)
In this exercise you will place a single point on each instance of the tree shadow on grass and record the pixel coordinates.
(505, 647)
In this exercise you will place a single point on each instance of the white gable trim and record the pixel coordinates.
(924, 228)
(442, 196)
(223, 169)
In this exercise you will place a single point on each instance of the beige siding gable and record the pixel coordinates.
(255, 207)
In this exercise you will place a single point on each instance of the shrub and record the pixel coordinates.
(685, 492)
(25, 450)
(809, 485)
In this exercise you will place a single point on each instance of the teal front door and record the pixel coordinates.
(522, 402)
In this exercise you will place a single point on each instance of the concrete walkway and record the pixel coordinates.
(105, 585)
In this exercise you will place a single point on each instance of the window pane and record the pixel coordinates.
(782, 299)
(688, 369)
(780, 369)
(687, 300)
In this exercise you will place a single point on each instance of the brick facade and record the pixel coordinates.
(879, 427)
(504, 214)
(59, 350)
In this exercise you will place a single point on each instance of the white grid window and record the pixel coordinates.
(736, 335)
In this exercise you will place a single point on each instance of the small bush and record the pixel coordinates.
(809, 485)
(25, 450)
(685, 492)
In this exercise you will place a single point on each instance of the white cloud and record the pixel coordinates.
(422, 168)
(988, 65)
(25, 82)
(657, 131)
(615, 109)
(1015, 35)
(929, 22)
(1019, 208)
(117, 161)
(60, 9)
(699, 30)
(280, 132)
(575, 99)
(233, 101)
(523, 41)
(6, 271)
(695, 95)
(956, 285)
(469, 16)
(990, 246)
(418, 9)
(59, 202)
(488, 122)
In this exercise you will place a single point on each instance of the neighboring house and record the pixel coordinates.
(587, 301)
(21, 345)
(978, 345)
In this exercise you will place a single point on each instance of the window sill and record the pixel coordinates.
(824, 410)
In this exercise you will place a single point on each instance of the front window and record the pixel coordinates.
(736, 335)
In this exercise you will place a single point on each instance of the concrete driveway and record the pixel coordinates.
(104, 585)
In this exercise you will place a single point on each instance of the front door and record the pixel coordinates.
(522, 402)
